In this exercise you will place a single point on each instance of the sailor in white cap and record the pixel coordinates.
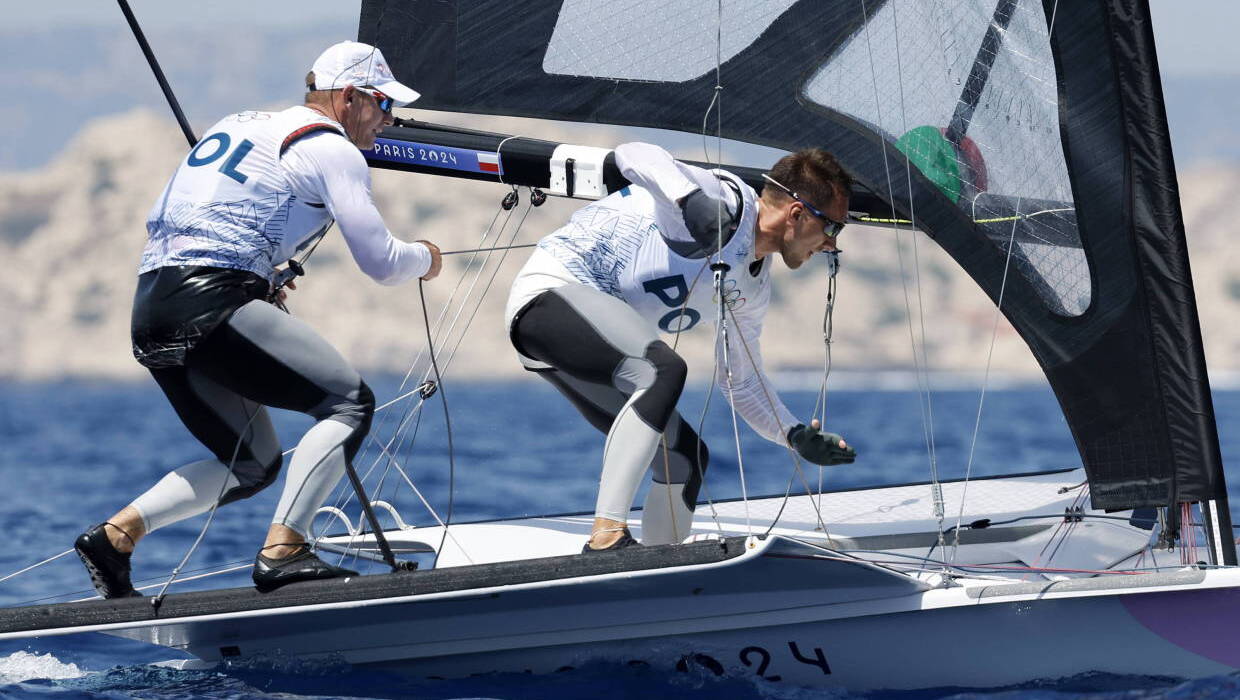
(256, 193)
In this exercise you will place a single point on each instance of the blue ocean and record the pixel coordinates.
(73, 452)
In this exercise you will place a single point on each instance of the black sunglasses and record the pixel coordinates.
(833, 227)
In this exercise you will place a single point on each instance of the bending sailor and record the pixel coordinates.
(256, 190)
(586, 311)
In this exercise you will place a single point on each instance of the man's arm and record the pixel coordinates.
(334, 169)
(688, 194)
(753, 396)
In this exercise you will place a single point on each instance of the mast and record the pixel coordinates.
(159, 74)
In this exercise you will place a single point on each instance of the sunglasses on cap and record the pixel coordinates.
(833, 227)
(384, 102)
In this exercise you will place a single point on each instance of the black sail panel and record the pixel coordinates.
(1016, 143)
(1161, 436)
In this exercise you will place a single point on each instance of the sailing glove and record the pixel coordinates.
(819, 447)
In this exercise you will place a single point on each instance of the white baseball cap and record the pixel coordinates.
(359, 65)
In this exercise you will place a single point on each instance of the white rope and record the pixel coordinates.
(229, 570)
(796, 458)
(415, 410)
(994, 330)
(345, 494)
(32, 567)
(981, 399)
(421, 353)
(148, 587)
(721, 321)
(923, 366)
(828, 314)
(701, 424)
(419, 358)
(919, 361)
(211, 514)
(499, 158)
(715, 105)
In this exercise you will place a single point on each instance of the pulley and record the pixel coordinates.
(510, 200)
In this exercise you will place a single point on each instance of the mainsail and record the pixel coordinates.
(1009, 131)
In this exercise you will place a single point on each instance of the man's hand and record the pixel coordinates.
(436, 261)
(826, 449)
(282, 295)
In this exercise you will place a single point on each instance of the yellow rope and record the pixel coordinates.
(995, 220)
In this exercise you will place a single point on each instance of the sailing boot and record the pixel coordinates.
(626, 540)
(108, 567)
(270, 574)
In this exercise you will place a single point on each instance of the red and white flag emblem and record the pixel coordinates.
(488, 162)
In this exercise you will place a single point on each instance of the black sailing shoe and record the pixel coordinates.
(626, 540)
(108, 568)
(270, 574)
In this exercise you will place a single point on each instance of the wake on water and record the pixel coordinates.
(25, 674)
(23, 666)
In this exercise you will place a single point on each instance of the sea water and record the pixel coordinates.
(73, 452)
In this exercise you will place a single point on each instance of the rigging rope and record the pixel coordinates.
(385, 448)
(828, 313)
(447, 418)
(719, 269)
(922, 386)
(796, 458)
(923, 368)
(489, 250)
(159, 598)
(36, 565)
(981, 399)
(446, 339)
(994, 332)
(699, 446)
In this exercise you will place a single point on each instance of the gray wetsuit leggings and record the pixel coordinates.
(609, 362)
(260, 357)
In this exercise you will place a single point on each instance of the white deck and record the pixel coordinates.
(850, 517)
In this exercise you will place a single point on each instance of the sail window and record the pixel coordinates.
(646, 41)
(906, 73)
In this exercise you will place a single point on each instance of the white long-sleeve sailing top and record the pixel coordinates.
(624, 245)
(261, 185)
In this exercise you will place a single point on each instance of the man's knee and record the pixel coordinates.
(355, 408)
(365, 406)
(669, 367)
(253, 476)
(659, 399)
(365, 409)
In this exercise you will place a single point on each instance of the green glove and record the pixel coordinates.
(819, 447)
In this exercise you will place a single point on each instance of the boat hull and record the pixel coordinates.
(781, 611)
